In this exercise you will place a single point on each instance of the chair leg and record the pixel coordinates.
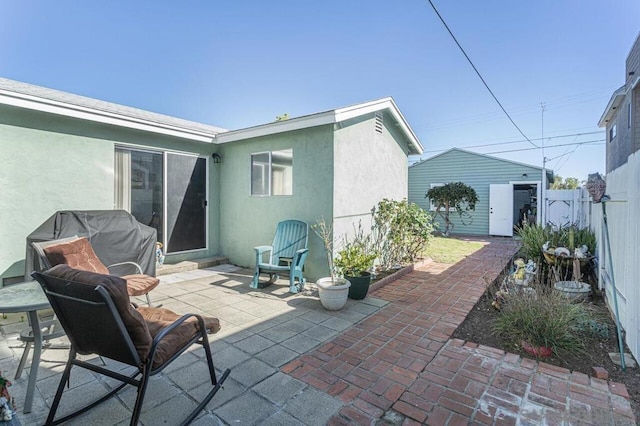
(23, 360)
(142, 389)
(293, 287)
(217, 384)
(256, 278)
(63, 381)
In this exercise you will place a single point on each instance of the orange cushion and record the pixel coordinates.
(77, 254)
(140, 284)
(159, 318)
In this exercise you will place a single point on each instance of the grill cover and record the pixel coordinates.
(115, 235)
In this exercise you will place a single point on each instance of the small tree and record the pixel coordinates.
(454, 195)
(567, 183)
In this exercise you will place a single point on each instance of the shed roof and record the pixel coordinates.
(549, 171)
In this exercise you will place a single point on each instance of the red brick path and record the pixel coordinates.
(401, 359)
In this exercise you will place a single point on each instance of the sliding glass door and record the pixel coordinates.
(167, 191)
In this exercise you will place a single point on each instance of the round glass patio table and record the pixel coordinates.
(30, 298)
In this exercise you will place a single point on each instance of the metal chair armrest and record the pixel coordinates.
(138, 267)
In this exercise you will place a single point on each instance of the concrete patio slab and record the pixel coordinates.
(388, 358)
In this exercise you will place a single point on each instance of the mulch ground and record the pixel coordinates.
(477, 328)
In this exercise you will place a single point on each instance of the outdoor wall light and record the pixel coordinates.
(216, 158)
(524, 175)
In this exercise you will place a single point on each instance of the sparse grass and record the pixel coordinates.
(545, 318)
(450, 250)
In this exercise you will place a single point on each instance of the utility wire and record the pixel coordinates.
(527, 149)
(547, 147)
(521, 140)
(479, 75)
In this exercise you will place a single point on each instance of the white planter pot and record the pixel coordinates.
(333, 295)
(576, 291)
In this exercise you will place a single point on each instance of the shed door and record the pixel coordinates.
(501, 210)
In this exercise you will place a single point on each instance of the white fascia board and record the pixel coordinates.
(84, 113)
(277, 127)
(322, 118)
(347, 113)
(614, 103)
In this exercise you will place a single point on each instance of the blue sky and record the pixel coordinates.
(241, 63)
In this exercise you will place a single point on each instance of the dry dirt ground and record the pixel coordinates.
(477, 328)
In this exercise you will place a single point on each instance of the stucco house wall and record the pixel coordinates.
(60, 154)
(52, 162)
(370, 165)
(250, 221)
(475, 170)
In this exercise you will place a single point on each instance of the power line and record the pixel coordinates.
(521, 140)
(529, 109)
(528, 149)
(479, 75)
(547, 147)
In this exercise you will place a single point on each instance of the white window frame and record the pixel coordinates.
(267, 173)
(613, 132)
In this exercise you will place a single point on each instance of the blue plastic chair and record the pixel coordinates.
(287, 254)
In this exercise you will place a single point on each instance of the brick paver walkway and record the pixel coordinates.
(401, 366)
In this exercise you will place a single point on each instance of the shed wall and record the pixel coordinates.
(477, 171)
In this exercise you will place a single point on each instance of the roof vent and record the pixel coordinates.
(379, 122)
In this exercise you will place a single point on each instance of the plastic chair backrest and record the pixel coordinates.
(291, 236)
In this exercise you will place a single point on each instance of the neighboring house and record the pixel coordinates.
(621, 117)
(507, 190)
(618, 251)
(206, 190)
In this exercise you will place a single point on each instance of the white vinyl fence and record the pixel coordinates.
(623, 186)
(567, 207)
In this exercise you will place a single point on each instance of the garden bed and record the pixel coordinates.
(476, 328)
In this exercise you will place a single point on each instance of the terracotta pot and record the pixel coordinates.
(537, 351)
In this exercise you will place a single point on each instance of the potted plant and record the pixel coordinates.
(355, 262)
(332, 290)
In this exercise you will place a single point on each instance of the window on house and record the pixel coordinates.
(629, 115)
(612, 132)
(272, 173)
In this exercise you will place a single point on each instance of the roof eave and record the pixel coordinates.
(612, 105)
(22, 100)
(327, 117)
(277, 127)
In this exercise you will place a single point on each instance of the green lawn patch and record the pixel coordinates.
(450, 250)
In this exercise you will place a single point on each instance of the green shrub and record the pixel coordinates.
(357, 253)
(543, 318)
(533, 238)
(401, 230)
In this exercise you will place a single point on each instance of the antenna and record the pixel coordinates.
(543, 190)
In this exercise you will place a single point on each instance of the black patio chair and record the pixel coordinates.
(98, 318)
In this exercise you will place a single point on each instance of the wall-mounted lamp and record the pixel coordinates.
(216, 158)
(524, 175)
(632, 72)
